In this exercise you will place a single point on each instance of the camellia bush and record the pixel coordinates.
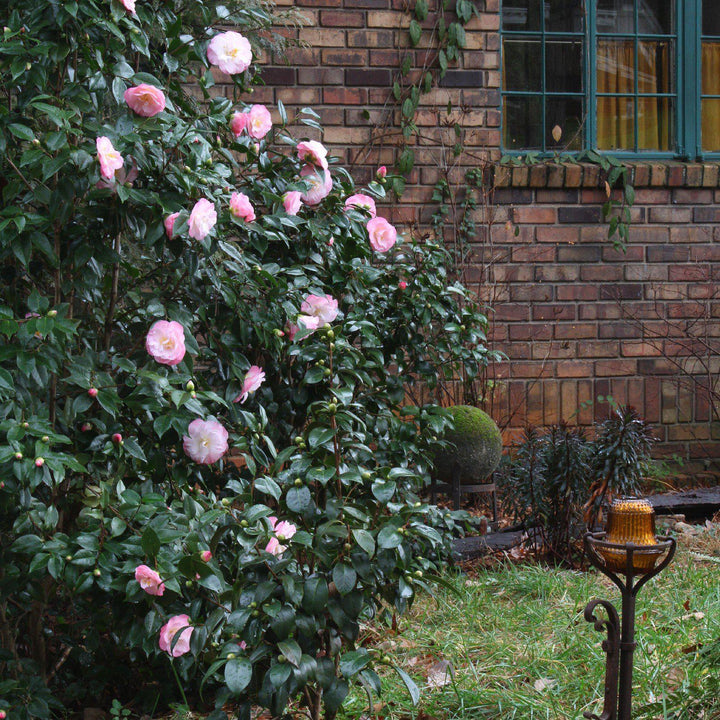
(210, 470)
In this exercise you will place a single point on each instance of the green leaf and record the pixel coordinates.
(132, 448)
(319, 436)
(389, 537)
(383, 490)
(344, 577)
(238, 674)
(291, 650)
(365, 540)
(278, 674)
(421, 10)
(150, 542)
(298, 499)
(315, 594)
(415, 32)
(21, 131)
(409, 684)
(351, 663)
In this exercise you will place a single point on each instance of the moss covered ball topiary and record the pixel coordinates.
(477, 446)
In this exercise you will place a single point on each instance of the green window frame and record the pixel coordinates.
(685, 95)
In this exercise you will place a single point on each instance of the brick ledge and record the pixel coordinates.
(654, 174)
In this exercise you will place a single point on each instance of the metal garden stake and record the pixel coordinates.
(628, 548)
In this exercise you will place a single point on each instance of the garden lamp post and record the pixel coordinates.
(629, 548)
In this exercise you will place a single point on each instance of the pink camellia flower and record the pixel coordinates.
(254, 378)
(165, 341)
(259, 122)
(149, 580)
(381, 172)
(319, 182)
(206, 441)
(241, 207)
(231, 52)
(110, 159)
(317, 310)
(313, 152)
(206, 556)
(274, 547)
(291, 331)
(292, 202)
(239, 123)
(129, 5)
(168, 632)
(382, 234)
(285, 530)
(402, 285)
(169, 223)
(361, 202)
(202, 219)
(145, 100)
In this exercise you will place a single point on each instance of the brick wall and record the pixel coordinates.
(577, 318)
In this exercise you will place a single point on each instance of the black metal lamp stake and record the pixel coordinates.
(636, 561)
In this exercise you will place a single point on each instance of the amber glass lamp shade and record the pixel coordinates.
(631, 520)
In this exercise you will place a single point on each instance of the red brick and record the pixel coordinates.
(567, 331)
(557, 234)
(553, 312)
(574, 369)
(530, 331)
(534, 214)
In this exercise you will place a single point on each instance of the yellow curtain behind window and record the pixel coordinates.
(711, 106)
(615, 115)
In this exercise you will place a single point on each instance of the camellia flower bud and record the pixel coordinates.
(52, 313)
(206, 556)
(18, 455)
(86, 427)
(117, 438)
(39, 462)
(92, 392)
(189, 385)
(402, 285)
(45, 438)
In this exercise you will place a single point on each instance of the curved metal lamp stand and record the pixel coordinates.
(620, 644)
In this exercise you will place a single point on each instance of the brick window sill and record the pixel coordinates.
(655, 174)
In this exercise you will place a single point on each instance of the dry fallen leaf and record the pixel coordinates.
(557, 133)
(693, 616)
(440, 674)
(543, 684)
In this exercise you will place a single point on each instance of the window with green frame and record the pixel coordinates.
(635, 77)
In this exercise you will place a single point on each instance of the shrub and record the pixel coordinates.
(208, 464)
(550, 477)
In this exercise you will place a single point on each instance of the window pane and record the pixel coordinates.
(615, 123)
(563, 66)
(711, 17)
(522, 15)
(615, 66)
(711, 68)
(654, 65)
(654, 123)
(615, 16)
(711, 124)
(567, 113)
(655, 17)
(522, 117)
(563, 16)
(522, 65)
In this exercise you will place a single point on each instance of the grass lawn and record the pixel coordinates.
(520, 647)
